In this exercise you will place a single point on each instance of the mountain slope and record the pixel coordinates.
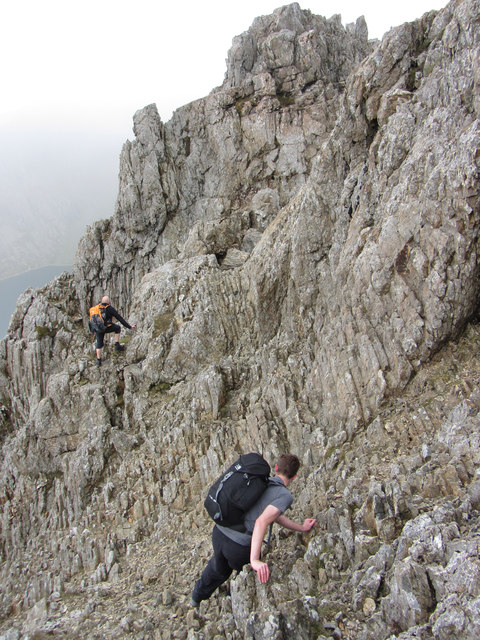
(299, 251)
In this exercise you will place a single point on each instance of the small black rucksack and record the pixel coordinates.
(237, 490)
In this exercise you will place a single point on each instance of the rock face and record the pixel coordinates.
(299, 252)
(222, 167)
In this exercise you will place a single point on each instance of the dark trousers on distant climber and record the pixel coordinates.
(227, 557)
(100, 335)
(100, 338)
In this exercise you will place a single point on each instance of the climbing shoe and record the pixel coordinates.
(119, 347)
(99, 362)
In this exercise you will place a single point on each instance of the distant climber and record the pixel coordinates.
(233, 549)
(101, 323)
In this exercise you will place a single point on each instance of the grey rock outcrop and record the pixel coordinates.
(299, 252)
(187, 186)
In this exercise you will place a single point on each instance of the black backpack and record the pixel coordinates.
(238, 489)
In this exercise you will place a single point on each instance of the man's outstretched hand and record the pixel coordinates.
(263, 572)
(308, 524)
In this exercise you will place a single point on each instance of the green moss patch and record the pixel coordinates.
(42, 332)
(161, 323)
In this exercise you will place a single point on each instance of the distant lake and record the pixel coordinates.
(12, 288)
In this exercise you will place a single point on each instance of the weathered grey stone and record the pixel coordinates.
(474, 492)
(299, 253)
(410, 601)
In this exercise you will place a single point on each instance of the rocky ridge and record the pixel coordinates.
(212, 178)
(299, 252)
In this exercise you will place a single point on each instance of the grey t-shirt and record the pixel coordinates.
(276, 494)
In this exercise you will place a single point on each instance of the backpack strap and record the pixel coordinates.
(219, 488)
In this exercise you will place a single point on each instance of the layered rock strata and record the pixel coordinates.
(214, 176)
(299, 251)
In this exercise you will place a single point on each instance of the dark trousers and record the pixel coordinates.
(227, 556)
(113, 328)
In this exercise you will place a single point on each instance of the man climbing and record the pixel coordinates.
(101, 323)
(233, 549)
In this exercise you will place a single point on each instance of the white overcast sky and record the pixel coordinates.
(92, 64)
